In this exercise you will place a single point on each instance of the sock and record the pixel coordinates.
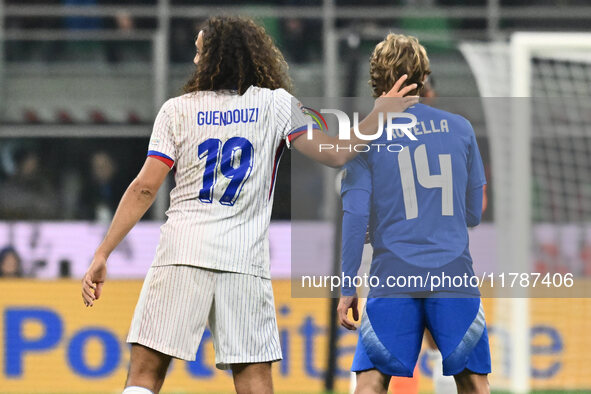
(442, 384)
(136, 390)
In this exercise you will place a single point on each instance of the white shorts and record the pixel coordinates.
(177, 301)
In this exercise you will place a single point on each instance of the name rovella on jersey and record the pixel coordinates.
(426, 127)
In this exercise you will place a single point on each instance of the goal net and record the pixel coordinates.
(536, 96)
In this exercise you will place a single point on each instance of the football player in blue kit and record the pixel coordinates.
(419, 197)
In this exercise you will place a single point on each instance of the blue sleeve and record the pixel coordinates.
(355, 219)
(474, 206)
(356, 175)
(356, 194)
(476, 177)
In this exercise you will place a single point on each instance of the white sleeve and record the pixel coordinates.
(162, 146)
(291, 118)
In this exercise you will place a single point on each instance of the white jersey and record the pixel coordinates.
(225, 149)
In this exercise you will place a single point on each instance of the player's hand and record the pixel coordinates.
(396, 100)
(346, 303)
(93, 280)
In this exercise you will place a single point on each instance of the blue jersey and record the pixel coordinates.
(419, 201)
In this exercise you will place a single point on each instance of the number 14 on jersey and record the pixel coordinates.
(444, 181)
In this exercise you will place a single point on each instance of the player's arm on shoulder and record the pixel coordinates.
(292, 124)
(323, 148)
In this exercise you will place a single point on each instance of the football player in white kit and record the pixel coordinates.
(224, 139)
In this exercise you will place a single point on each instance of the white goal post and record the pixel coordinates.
(507, 70)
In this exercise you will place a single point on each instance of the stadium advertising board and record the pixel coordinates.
(50, 340)
(47, 249)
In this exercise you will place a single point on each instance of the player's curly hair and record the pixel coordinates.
(237, 53)
(395, 56)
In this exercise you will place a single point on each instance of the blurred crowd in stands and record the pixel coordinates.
(113, 51)
(10, 263)
(81, 179)
(65, 179)
(297, 37)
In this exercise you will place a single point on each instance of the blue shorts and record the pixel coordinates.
(392, 332)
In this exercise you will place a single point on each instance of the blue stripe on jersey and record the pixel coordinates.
(156, 153)
(304, 128)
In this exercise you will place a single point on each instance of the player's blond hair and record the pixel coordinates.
(395, 56)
